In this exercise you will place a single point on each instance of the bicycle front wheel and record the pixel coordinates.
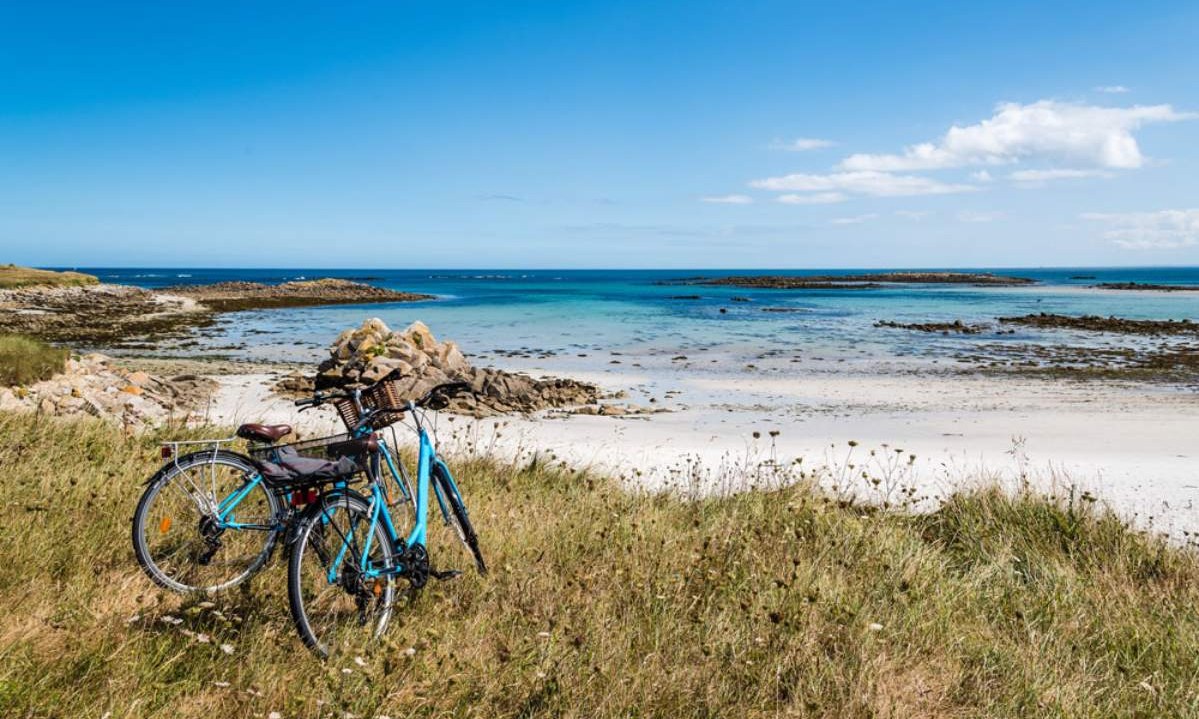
(339, 582)
(457, 516)
(180, 537)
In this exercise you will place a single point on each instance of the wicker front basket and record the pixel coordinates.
(383, 397)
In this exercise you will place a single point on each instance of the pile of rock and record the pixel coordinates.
(371, 352)
(93, 385)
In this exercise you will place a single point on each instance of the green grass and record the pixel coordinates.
(24, 360)
(12, 276)
(607, 602)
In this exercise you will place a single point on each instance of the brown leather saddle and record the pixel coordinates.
(267, 433)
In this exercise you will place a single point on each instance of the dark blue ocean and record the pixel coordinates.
(577, 311)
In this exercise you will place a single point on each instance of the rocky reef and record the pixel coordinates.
(235, 296)
(419, 361)
(945, 328)
(857, 281)
(1116, 325)
(99, 315)
(94, 385)
(1147, 286)
(121, 316)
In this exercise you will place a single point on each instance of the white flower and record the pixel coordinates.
(874, 627)
(227, 648)
(410, 651)
(360, 661)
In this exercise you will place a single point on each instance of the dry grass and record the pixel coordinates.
(12, 276)
(24, 360)
(605, 602)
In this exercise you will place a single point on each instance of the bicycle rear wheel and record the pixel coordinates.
(177, 536)
(457, 516)
(335, 606)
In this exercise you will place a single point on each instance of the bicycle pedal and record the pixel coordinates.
(445, 574)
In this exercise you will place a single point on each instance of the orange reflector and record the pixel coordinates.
(377, 589)
(165, 525)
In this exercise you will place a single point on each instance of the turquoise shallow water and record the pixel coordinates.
(572, 311)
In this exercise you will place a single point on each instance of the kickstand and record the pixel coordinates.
(445, 574)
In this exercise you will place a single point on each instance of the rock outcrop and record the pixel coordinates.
(94, 385)
(373, 351)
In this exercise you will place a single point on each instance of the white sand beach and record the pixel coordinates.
(1129, 445)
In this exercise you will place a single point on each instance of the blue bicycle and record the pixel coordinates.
(210, 518)
(348, 554)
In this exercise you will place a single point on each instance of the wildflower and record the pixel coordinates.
(173, 621)
(227, 648)
(874, 627)
(347, 670)
(360, 661)
(410, 651)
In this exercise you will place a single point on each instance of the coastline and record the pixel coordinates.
(1056, 405)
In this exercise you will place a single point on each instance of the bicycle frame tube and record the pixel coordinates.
(228, 504)
(425, 460)
(395, 473)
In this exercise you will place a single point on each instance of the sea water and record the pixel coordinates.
(573, 312)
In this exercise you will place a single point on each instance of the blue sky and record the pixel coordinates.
(607, 134)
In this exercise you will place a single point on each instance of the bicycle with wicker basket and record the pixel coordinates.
(211, 516)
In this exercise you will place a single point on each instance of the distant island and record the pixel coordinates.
(855, 281)
(1146, 286)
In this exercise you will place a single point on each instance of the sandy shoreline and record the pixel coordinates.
(1128, 444)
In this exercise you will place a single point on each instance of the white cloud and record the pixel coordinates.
(973, 216)
(729, 199)
(981, 176)
(878, 184)
(1038, 178)
(852, 220)
(802, 144)
(1162, 230)
(817, 198)
(913, 214)
(1087, 134)
(1112, 89)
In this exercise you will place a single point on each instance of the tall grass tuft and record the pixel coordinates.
(605, 602)
(24, 360)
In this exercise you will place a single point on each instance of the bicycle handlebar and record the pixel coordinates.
(446, 388)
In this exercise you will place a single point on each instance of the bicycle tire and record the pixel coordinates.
(307, 547)
(158, 567)
(459, 517)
